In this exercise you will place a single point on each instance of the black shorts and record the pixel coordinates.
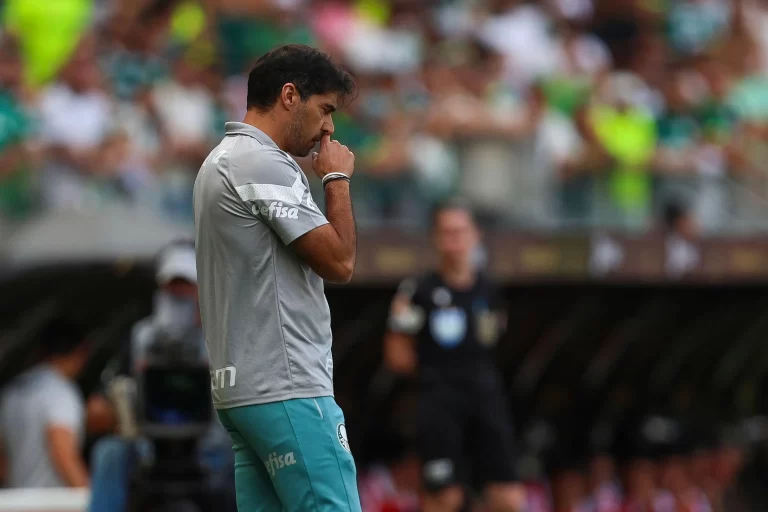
(464, 434)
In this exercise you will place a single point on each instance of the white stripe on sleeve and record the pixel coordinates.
(259, 192)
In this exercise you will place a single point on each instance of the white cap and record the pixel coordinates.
(177, 262)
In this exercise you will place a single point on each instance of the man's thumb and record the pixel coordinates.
(325, 140)
(314, 156)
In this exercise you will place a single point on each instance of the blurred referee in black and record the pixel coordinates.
(443, 328)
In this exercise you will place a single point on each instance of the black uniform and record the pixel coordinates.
(463, 417)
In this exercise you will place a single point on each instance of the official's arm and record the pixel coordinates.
(405, 320)
(399, 353)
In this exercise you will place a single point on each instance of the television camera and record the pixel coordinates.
(173, 412)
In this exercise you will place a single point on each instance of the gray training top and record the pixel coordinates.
(266, 320)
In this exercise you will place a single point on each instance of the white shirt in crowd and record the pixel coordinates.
(32, 403)
(79, 121)
(187, 113)
(522, 35)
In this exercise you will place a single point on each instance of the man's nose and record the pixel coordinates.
(328, 127)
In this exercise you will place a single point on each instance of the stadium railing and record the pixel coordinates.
(44, 500)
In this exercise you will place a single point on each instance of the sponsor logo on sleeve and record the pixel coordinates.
(276, 210)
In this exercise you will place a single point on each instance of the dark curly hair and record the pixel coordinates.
(61, 336)
(310, 70)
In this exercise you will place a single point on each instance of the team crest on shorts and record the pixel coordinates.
(341, 433)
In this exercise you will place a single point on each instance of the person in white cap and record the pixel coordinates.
(176, 313)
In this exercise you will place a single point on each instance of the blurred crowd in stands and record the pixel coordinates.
(657, 465)
(644, 463)
(545, 114)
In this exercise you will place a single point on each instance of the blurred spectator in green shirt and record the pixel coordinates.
(678, 125)
(137, 57)
(244, 39)
(583, 58)
(17, 196)
(694, 25)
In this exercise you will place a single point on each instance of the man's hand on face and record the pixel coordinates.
(332, 157)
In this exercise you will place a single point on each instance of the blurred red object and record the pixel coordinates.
(390, 506)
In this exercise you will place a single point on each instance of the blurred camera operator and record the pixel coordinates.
(175, 316)
(447, 323)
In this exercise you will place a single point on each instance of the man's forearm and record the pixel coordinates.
(65, 455)
(75, 473)
(338, 206)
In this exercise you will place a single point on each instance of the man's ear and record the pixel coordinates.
(290, 96)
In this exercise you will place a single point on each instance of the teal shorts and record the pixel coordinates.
(292, 456)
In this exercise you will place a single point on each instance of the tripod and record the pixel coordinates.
(176, 482)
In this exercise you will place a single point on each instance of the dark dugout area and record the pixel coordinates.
(585, 364)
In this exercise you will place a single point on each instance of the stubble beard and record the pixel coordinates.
(295, 134)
